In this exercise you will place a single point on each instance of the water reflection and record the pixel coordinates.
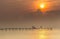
(43, 34)
(30, 34)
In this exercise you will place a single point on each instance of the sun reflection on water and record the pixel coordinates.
(43, 34)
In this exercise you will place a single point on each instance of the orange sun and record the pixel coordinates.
(42, 6)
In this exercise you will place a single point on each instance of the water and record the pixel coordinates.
(30, 34)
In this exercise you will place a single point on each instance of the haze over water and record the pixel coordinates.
(26, 13)
(30, 34)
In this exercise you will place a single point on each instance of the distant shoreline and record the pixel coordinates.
(26, 28)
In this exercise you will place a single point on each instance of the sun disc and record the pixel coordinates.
(42, 5)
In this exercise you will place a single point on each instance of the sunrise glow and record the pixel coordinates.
(42, 5)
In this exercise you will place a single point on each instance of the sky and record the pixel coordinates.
(26, 13)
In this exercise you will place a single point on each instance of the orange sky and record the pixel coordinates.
(29, 4)
(24, 9)
(49, 4)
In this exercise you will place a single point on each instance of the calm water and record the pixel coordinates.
(30, 34)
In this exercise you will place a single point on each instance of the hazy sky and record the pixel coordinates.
(25, 13)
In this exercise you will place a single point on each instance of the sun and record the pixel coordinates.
(42, 5)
